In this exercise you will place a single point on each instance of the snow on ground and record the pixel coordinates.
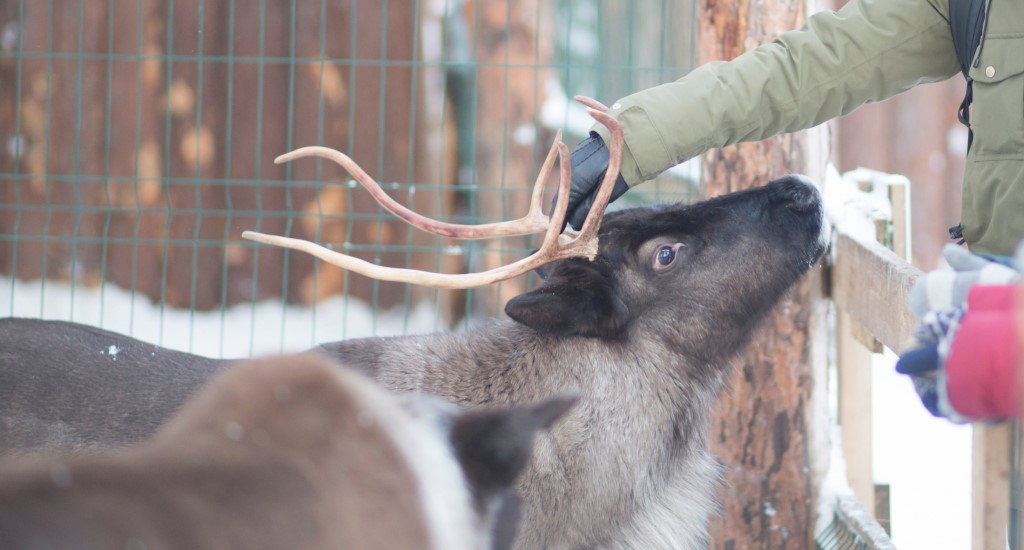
(240, 331)
(925, 460)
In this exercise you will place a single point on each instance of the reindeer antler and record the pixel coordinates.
(555, 246)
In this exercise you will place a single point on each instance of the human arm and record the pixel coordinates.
(867, 51)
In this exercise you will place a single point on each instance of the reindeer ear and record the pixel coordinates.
(576, 301)
(494, 446)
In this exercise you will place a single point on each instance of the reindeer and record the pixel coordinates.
(284, 452)
(640, 314)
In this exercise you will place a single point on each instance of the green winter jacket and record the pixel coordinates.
(867, 51)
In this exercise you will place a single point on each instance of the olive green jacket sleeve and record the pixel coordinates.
(867, 51)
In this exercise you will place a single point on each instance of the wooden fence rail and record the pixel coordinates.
(869, 286)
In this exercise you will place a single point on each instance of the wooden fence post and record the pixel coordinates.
(997, 467)
(990, 486)
(1016, 534)
(854, 369)
(856, 345)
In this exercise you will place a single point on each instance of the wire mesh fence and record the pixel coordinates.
(139, 138)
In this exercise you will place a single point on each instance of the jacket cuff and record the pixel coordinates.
(651, 155)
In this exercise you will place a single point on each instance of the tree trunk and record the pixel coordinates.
(760, 428)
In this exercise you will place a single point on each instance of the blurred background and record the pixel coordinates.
(140, 135)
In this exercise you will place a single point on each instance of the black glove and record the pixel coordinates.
(589, 161)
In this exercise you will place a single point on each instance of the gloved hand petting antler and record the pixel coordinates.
(964, 364)
(589, 161)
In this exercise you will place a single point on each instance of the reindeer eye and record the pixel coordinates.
(665, 255)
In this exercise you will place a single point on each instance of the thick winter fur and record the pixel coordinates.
(71, 387)
(289, 452)
(645, 345)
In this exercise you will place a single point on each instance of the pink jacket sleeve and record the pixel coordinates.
(981, 369)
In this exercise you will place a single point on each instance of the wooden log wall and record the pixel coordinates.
(148, 139)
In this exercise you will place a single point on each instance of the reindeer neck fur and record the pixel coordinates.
(615, 479)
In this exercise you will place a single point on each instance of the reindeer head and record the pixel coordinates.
(709, 267)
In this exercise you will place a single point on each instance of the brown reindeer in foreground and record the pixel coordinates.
(292, 452)
(640, 317)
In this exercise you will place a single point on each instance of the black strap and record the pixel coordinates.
(966, 20)
(966, 25)
(963, 114)
(956, 233)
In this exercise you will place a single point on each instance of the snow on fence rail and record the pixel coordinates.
(868, 284)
